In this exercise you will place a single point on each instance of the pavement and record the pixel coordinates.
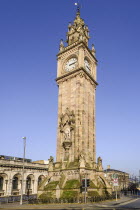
(110, 204)
(120, 202)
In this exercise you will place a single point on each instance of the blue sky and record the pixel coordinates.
(30, 31)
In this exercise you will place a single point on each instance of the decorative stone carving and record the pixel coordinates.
(51, 163)
(63, 165)
(77, 27)
(67, 120)
(99, 164)
(82, 161)
(67, 134)
(67, 145)
(51, 160)
(94, 165)
(61, 46)
(67, 123)
(93, 50)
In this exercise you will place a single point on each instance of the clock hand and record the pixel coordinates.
(72, 63)
(88, 68)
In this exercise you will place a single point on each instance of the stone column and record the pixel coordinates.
(24, 186)
(5, 186)
(9, 187)
(35, 186)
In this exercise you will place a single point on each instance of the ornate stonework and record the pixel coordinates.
(77, 31)
(66, 126)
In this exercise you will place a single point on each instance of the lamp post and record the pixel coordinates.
(21, 198)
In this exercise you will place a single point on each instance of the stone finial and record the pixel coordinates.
(61, 46)
(93, 49)
(51, 164)
(99, 163)
(51, 160)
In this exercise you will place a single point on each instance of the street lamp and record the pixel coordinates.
(21, 198)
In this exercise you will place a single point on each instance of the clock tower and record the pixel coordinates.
(76, 145)
(76, 79)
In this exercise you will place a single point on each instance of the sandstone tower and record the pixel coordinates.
(76, 79)
(76, 146)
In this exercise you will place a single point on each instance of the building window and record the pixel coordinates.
(15, 183)
(28, 183)
(1, 183)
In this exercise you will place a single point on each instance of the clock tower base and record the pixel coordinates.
(66, 180)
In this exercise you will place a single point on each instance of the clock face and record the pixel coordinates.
(87, 65)
(71, 64)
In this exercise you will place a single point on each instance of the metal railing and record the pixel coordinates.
(16, 198)
(71, 200)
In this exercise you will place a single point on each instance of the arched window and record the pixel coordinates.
(1, 183)
(40, 179)
(15, 183)
(28, 183)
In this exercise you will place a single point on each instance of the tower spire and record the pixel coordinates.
(78, 8)
(77, 31)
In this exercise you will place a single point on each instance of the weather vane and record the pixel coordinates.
(78, 7)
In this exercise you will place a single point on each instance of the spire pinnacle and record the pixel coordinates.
(78, 8)
(77, 31)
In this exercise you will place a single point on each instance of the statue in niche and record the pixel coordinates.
(67, 123)
(67, 134)
(67, 119)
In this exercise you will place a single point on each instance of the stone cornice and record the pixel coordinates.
(74, 45)
(80, 71)
(76, 169)
(21, 166)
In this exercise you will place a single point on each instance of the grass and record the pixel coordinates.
(72, 184)
(92, 185)
(51, 185)
(69, 194)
